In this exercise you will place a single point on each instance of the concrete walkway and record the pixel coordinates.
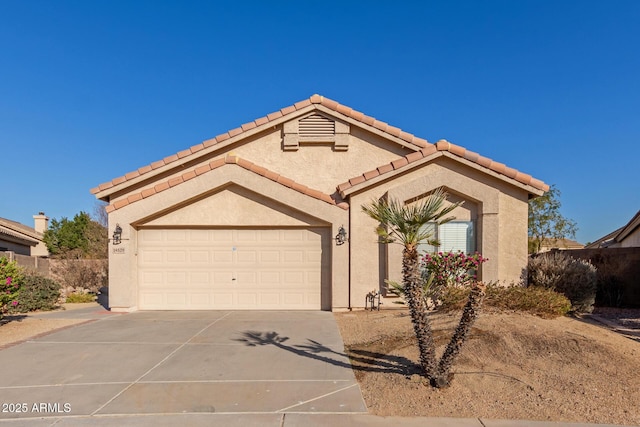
(193, 369)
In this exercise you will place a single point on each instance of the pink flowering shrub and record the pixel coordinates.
(11, 277)
(445, 269)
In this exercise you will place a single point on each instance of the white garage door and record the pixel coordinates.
(229, 269)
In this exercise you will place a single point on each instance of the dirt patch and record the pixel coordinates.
(514, 366)
(18, 328)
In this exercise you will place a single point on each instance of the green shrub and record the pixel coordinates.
(575, 278)
(76, 298)
(11, 278)
(36, 293)
(534, 300)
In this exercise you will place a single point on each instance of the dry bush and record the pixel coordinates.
(80, 275)
(575, 278)
(535, 300)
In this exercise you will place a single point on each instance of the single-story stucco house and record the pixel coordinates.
(268, 215)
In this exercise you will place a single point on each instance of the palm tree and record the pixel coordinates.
(404, 224)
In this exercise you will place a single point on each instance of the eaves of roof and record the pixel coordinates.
(14, 235)
(534, 186)
(629, 227)
(215, 164)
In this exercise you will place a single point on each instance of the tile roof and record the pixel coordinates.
(219, 162)
(441, 147)
(618, 235)
(20, 231)
(279, 115)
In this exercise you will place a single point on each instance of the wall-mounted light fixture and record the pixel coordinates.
(341, 237)
(117, 235)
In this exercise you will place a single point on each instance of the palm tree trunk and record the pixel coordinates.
(469, 316)
(418, 311)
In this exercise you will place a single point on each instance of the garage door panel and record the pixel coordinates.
(230, 269)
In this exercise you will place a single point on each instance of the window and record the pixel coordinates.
(453, 236)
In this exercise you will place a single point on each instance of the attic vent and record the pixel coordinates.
(315, 129)
(316, 126)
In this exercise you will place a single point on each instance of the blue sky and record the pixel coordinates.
(91, 90)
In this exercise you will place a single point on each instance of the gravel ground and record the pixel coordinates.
(514, 366)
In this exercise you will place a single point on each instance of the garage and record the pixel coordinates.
(222, 268)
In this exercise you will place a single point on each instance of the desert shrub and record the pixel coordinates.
(575, 278)
(80, 275)
(36, 293)
(11, 278)
(76, 298)
(536, 300)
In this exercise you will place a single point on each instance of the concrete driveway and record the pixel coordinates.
(259, 364)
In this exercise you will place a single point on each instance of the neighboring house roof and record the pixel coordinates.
(548, 244)
(618, 235)
(421, 147)
(19, 233)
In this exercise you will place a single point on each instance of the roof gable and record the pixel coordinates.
(317, 119)
(315, 104)
(439, 149)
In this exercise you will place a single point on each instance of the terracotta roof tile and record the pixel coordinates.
(184, 153)
(261, 121)
(134, 197)
(196, 148)
(216, 163)
(105, 185)
(397, 164)
(235, 132)
(315, 99)
(145, 169)
(148, 192)
(413, 157)
(301, 104)
(484, 161)
(285, 181)
(274, 116)
(344, 186)
(343, 109)
(161, 186)
(371, 174)
(288, 110)
(175, 181)
(357, 115)
(158, 164)
(271, 175)
(202, 169)
(471, 156)
(329, 103)
(385, 168)
(209, 142)
(120, 203)
(420, 142)
(428, 150)
(247, 126)
(119, 180)
(188, 175)
(170, 159)
(109, 208)
(357, 180)
(223, 137)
